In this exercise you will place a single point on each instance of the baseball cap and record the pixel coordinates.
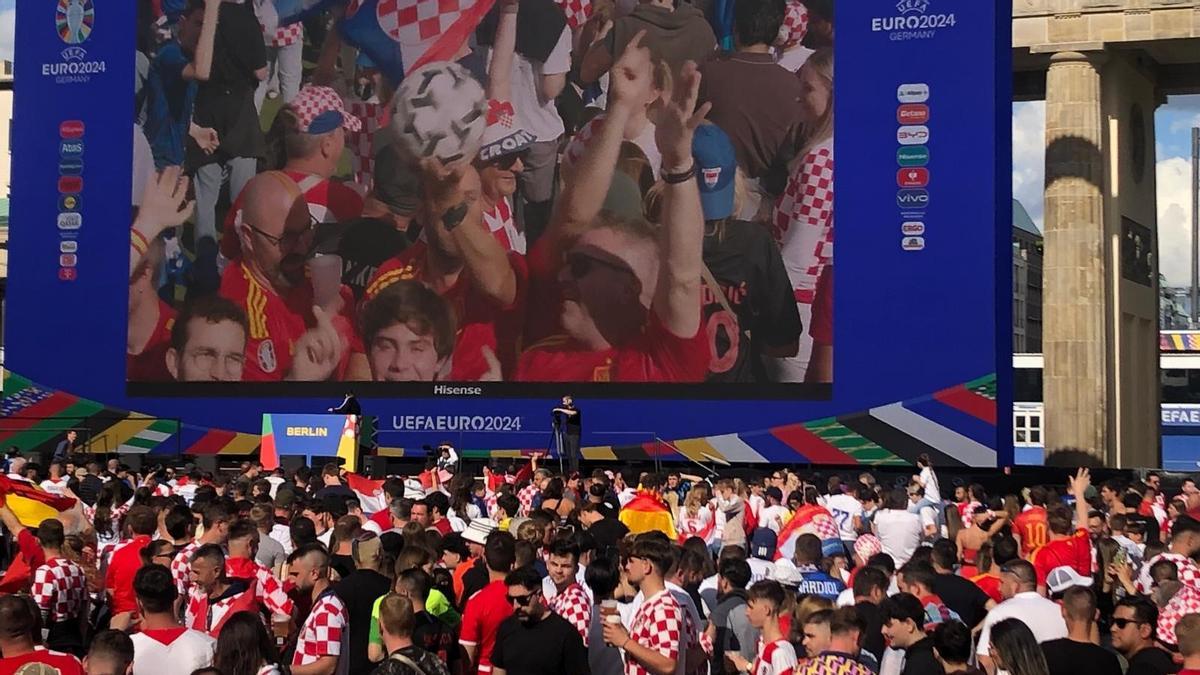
(716, 165)
(1061, 578)
(479, 529)
(320, 110)
(285, 499)
(867, 545)
(502, 137)
(396, 184)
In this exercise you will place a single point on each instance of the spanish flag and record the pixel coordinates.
(31, 505)
(647, 512)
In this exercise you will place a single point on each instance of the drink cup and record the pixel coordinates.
(613, 618)
(608, 607)
(325, 271)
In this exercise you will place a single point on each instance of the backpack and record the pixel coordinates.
(763, 543)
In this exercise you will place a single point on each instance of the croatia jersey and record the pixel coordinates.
(503, 226)
(803, 221)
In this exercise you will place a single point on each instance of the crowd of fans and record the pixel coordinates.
(522, 570)
(652, 200)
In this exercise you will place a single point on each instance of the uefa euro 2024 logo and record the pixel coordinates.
(74, 20)
(912, 21)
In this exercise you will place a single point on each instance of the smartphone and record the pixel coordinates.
(1121, 557)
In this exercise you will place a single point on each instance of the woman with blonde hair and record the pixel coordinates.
(698, 517)
(802, 222)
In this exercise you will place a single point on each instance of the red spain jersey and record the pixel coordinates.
(657, 355)
(277, 322)
(1075, 551)
(125, 562)
(151, 364)
(481, 321)
(1032, 528)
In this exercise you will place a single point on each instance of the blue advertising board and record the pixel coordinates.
(920, 344)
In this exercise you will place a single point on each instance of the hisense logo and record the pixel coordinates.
(912, 6)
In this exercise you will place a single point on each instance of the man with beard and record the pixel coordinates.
(535, 640)
(290, 336)
(408, 331)
(322, 639)
(208, 342)
(631, 305)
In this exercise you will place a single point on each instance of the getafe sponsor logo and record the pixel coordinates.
(912, 228)
(70, 221)
(912, 199)
(913, 155)
(913, 135)
(916, 177)
(913, 243)
(912, 113)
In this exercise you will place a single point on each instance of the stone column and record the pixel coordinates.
(1077, 389)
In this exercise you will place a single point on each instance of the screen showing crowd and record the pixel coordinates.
(595, 192)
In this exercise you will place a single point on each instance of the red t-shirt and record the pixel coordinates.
(989, 585)
(481, 620)
(20, 572)
(125, 563)
(151, 364)
(481, 322)
(657, 355)
(443, 526)
(64, 664)
(1031, 526)
(277, 322)
(1074, 551)
(329, 201)
(545, 295)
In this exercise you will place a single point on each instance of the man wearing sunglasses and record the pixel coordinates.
(630, 291)
(290, 337)
(1134, 626)
(500, 164)
(535, 639)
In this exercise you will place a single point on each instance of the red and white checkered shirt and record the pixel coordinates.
(525, 497)
(658, 625)
(59, 589)
(360, 143)
(803, 221)
(577, 11)
(267, 589)
(287, 35)
(322, 631)
(574, 606)
(1189, 572)
(181, 568)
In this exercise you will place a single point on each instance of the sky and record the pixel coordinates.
(1173, 147)
(8, 10)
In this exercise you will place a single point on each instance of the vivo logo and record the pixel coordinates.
(912, 135)
(912, 199)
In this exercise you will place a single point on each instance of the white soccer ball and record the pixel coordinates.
(439, 111)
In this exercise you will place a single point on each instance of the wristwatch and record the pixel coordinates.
(681, 177)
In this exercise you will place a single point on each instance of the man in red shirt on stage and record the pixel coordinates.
(1030, 525)
(296, 331)
(1067, 546)
(631, 301)
(466, 265)
(125, 562)
(314, 124)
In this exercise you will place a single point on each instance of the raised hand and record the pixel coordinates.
(318, 351)
(679, 118)
(164, 203)
(1080, 482)
(632, 76)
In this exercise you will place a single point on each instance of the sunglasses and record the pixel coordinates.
(1122, 623)
(507, 162)
(521, 600)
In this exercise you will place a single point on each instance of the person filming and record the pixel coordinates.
(568, 425)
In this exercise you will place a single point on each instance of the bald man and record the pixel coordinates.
(290, 337)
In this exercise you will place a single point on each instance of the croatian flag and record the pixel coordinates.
(400, 36)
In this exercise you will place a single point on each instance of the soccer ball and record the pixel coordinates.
(439, 111)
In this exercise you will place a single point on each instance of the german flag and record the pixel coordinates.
(31, 505)
(647, 512)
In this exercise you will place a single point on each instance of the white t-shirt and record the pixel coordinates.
(929, 480)
(783, 659)
(55, 488)
(538, 117)
(794, 58)
(772, 517)
(1043, 616)
(844, 508)
(760, 569)
(900, 532)
(187, 651)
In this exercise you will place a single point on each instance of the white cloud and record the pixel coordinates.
(8, 18)
(1174, 177)
(1029, 157)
